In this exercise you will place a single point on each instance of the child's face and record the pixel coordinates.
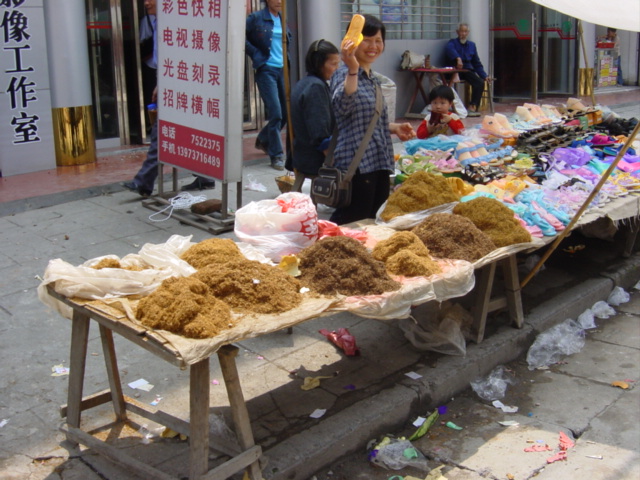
(441, 105)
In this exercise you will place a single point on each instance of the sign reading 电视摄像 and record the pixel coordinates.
(195, 86)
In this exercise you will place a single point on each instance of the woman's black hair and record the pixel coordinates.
(317, 55)
(441, 91)
(372, 25)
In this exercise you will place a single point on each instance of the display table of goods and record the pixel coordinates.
(185, 301)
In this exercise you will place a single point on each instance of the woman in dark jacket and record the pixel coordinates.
(311, 111)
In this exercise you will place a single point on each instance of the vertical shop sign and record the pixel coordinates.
(196, 90)
(26, 100)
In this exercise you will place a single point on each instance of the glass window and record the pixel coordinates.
(408, 19)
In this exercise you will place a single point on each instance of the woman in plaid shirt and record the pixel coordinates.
(353, 89)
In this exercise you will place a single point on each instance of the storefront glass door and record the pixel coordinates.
(514, 48)
(115, 73)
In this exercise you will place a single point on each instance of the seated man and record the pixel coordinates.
(462, 53)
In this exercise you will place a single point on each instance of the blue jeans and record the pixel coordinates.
(270, 81)
(146, 176)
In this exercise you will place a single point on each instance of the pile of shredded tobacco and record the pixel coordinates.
(421, 191)
(494, 219)
(453, 236)
(185, 306)
(212, 251)
(405, 254)
(342, 265)
(252, 287)
(113, 263)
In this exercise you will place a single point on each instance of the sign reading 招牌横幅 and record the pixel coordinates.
(200, 86)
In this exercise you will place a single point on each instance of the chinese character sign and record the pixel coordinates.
(18, 80)
(192, 89)
(26, 135)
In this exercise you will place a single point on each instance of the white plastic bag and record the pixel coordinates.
(493, 386)
(254, 185)
(436, 329)
(552, 345)
(602, 309)
(396, 454)
(618, 296)
(278, 227)
(586, 320)
(158, 262)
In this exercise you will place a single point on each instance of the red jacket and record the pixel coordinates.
(427, 129)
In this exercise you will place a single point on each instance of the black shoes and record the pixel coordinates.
(260, 146)
(199, 184)
(131, 186)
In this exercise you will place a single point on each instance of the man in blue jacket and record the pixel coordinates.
(462, 53)
(263, 44)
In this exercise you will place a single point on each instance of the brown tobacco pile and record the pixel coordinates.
(185, 306)
(342, 265)
(249, 286)
(494, 219)
(212, 251)
(420, 191)
(405, 254)
(113, 263)
(453, 236)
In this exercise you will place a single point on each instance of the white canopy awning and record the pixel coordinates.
(620, 14)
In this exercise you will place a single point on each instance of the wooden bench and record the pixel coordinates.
(197, 429)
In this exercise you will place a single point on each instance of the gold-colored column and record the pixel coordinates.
(70, 82)
(585, 82)
(74, 135)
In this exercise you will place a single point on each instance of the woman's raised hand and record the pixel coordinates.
(348, 54)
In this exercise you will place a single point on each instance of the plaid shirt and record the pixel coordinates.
(353, 114)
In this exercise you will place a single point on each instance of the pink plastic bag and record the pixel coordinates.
(343, 339)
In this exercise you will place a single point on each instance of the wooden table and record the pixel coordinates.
(418, 75)
(197, 429)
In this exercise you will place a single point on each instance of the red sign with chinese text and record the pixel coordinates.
(196, 150)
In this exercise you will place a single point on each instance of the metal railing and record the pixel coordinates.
(408, 19)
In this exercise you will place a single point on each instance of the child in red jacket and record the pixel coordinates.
(441, 121)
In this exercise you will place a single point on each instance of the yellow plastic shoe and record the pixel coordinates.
(354, 33)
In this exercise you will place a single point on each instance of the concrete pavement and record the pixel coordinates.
(574, 396)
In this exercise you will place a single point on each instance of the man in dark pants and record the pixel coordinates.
(144, 180)
(462, 53)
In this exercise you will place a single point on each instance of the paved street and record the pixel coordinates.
(574, 396)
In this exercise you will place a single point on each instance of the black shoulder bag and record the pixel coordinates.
(332, 186)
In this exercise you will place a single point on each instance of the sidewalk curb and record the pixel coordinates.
(300, 456)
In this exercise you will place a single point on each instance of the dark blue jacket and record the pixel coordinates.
(259, 34)
(468, 53)
(313, 122)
